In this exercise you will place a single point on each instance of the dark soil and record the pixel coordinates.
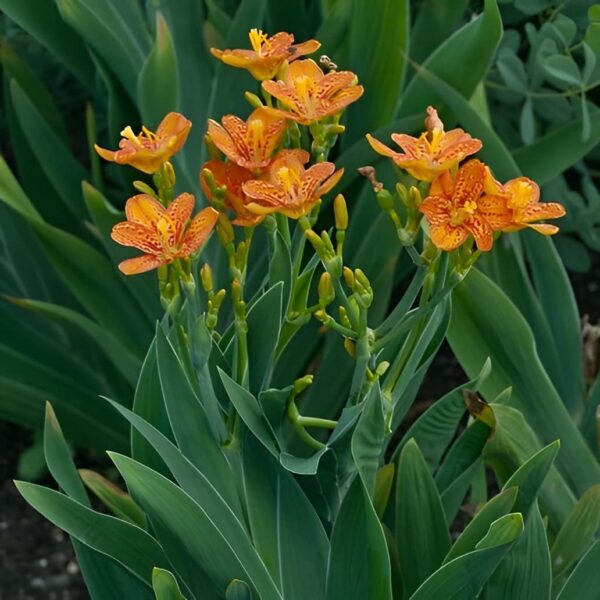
(36, 558)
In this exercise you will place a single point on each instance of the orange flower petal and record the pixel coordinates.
(265, 192)
(446, 237)
(495, 211)
(138, 236)
(199, 229)
(481, 231)
(543, 228)
(379, 147)
(544, 210)
(140, 264)
(145, 210)
(179, 211)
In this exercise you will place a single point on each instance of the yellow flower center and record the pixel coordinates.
(138, 140)
(255, 137)
(458, 215)
(432, 139)
(289, 180)
(164, 227)
(257, 39)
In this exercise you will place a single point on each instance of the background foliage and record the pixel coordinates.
(520, 75)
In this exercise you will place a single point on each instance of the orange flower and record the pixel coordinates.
(249, 144)
(147, 151)
(291, 190)
(164, 234)
(520, 198)
(233, 177)
(310, 94)
(267, 54)
(433, 152)
(453, 208)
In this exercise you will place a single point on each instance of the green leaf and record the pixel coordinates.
(384, 482)
(124, 361)
(527, 122)
(557, 150)
(512, 70)
(436, 427)
(250, 412)
(497, 507)
(191, 425)
(285, 528)
(55, 159)
(264, 325)
(577, 532)
(367, 439)
(238, 590)
(583, 581)
(485, 323)
(359, 565)
(461, 61)
(119, 502)
(217, 544)
(563, 68)
(114, 32)
(380, 65)
(464, 576)
(525, 572)
(165, 585)
(157, 85)
(422, 540)
(129, 545)
(44, 23)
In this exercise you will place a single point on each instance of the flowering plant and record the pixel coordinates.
(255, 474)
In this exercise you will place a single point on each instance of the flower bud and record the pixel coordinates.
(349, 277)
(225, 230)
(143, 187)
(302, 383)
(341, 212)
(325, 290)
(253, 100)
(350, 347)
(206, 278)
(168, 175)
(385, 200)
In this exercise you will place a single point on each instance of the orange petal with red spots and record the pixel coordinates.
(481, 231)
(143, 238)
(145, 210)
(140, 264)
(199, 229)
(446, 237)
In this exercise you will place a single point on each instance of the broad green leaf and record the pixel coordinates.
(119, 502)
(238, 590)
(157, 86)
(359, 565)
(422, 541)
(367, 439)
(485, 323)
(218, 544)
(124, 361)
(165, 585)
(107, 28)
(148, 404)
(577, 532)
(529, 477)
(56, 160)
(563, 68)
(434, 23)
(378, 49)
(249, 411)
(553, 287)
(26, 386)
(285, 528)
(436, 427)
(525, 571)
(17, 69)
(264, 325)
(384, 482)
(497, 507)
(44, 23)
(464, 576)
(191, 424)
(462, 60)
(129, 545)
(557, 150)
(583, 581)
